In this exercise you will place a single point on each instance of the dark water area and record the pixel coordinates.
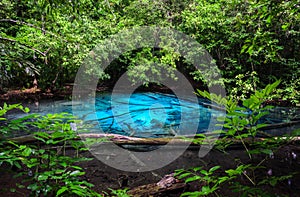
(148, 114)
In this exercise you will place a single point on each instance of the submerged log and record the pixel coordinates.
(177, 140)
(123, 140)
(281, 125)
(116, 138)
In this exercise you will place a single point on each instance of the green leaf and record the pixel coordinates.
(296, 132)
(77, 173)
(269, 19)
(27, 109)
(184, 175)
(260, 114)
(223, 179)
(270, 87)
(244, 48)
(33, 187)
(206, 190)
(43, 135)
(250, 50)
(267, 151)
(16, 163)
(77, 167)
(61, 190)
(42, 177)
(42, 151)
(204, 172)
(259, 126)
(196, 169)
(214, 168)
(27, 152)
(285, 26)
(79, 192)
(273, 182)
(59, 171)
(20, 185)
(192, 194)
(191, 179)
(247, 103)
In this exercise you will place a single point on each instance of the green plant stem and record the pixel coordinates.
(249, 178)
(247, 150)
(216, 194)
(261, 162)
(64, 148)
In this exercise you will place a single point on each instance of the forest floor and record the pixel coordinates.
(105, 177)
(34, 94)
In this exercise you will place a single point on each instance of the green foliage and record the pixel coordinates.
(210, 180)
(49, 172)
(241, 123)
(5, 156)
(244, 190)
(118, 193)
(45, 40)
(6, 108)
(253, 43)
(245, 85)
(242, 120)
(45, 168)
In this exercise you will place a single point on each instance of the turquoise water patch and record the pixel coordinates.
(142, 114)
(148, 115)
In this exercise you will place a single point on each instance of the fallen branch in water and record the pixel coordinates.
(177, 140)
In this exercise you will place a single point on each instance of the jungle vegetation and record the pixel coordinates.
(253, 43)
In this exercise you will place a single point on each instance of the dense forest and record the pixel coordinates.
(254, 43)
(252, 150)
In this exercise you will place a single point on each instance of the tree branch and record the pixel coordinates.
(23, 23)
(31, 25)
(107, 2)
(25, 45)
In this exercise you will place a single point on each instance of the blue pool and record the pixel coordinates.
(149, 115)
(142, 115)
(146, 114)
